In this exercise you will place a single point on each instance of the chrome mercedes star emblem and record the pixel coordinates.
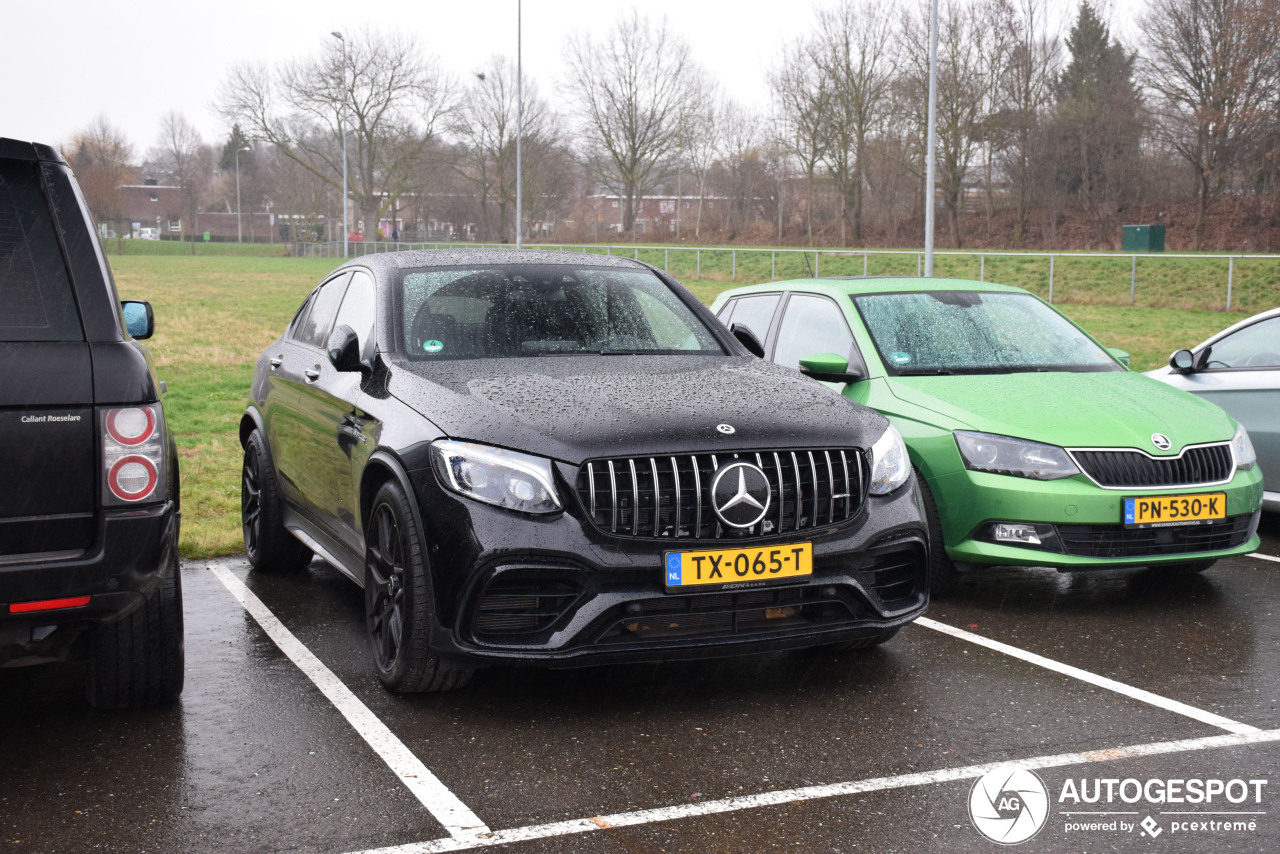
(726, 429)
(1161, 441)
(743, 501)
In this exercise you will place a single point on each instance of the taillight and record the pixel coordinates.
(133, 454)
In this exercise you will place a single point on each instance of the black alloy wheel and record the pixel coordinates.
(267, 543)
(384, 588)
(397, 600)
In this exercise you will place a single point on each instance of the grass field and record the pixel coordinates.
(215, 314)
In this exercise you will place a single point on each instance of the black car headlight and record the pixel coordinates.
(1018, 457)
(496, 476)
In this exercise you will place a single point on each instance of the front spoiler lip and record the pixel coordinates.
(991, 554)
(467, 654)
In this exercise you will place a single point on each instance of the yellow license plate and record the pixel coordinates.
(735, 566)
(1174, 509)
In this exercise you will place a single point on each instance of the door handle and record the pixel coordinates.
(312, 374)
(276, 361)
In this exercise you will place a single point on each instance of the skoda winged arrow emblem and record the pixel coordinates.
(743, 501)
(1161, 441)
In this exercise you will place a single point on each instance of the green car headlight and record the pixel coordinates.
(890, 466)
(496, 476)
(1018, 457)
(1242, 449)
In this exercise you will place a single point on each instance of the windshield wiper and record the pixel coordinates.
(925, 372)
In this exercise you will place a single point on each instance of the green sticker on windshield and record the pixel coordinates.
(900, 358)
(432, 346)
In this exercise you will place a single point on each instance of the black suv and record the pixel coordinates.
(89, 504)
(564, 459)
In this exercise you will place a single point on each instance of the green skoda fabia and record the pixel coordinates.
(1034, 445)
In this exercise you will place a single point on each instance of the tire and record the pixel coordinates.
(267, 543)
(1190, 567)
(397, 600)
(139, 660)
(943, 575)
(865, 643)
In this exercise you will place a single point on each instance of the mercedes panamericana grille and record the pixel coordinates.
(564, 460)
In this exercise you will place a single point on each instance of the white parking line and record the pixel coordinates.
(1264, 557)
(1092, 678)
(457, 818)
(808, 793)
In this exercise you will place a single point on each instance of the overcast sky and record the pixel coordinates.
(63, 65)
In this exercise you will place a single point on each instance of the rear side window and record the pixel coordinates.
(36, 302)
(313, 326)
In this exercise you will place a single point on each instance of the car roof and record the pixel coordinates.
(385, 262)
(837, 286)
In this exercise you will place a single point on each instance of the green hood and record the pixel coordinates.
(1075, 410)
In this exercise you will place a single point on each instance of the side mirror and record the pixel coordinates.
(139, 319)
(1183, 362)
(829, 368)
(1121, 356)
(344, 349)
(748, 339)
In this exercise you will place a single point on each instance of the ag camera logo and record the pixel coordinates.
(1009, 805)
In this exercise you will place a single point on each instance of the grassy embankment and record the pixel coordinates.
(215, 314)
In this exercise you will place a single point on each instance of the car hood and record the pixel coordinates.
(1075, 410)
(573, 408)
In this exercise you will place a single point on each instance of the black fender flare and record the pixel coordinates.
(384, 459)
(251, 420)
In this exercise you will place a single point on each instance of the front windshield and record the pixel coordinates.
(970, 332)
(525, 310)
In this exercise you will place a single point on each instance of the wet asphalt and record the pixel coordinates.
(254, 758)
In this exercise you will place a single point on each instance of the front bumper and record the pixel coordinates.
(132, 549)
(1082, 522)
(555, 591)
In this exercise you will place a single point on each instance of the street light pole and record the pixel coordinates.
(519, 127)
(930, 171)
(239, 227)
(342, 109)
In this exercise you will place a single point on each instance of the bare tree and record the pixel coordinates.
(852, 52)
(485, 123)
(635, 90)
(100, 155)
(386, 96)
(1214, 66)
(801, 94)
(960, 99)
(739, 160)
(700, 143)
(1026, 87)
(182, 153)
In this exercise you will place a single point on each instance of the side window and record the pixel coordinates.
(313, 328)
(756, 312)
(811, 325)
(37, 303)
(1255, 346)
(726, 312)
(357, 311)
(300, 319)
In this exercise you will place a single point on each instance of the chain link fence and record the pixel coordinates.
(1243, 283)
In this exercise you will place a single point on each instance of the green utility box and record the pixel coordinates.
(1143, 238)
